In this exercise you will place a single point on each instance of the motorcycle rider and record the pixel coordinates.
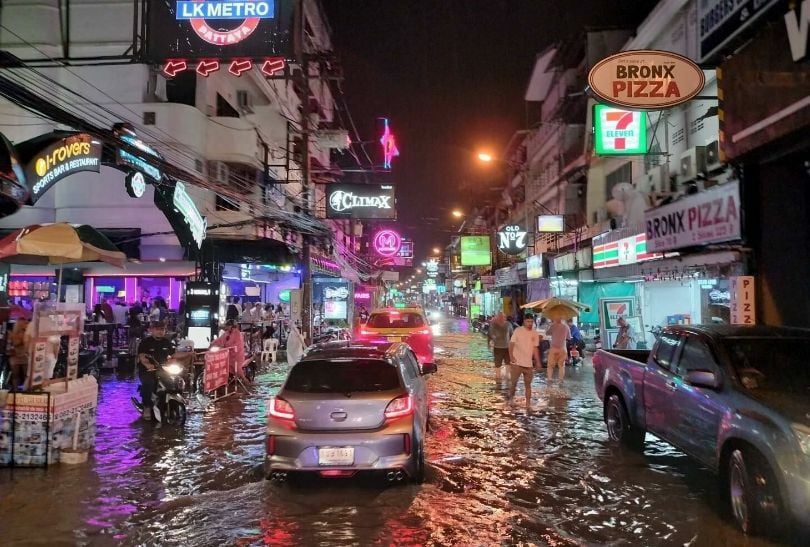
(153, 351)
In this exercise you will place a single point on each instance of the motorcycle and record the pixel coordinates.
(168, 403)
(331, 335)
(575, 351)
(597, 340)
(90, 361)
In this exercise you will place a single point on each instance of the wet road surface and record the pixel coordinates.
(497, 475)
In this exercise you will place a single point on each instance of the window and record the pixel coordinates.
(696, 355)
(411, 366)
(224, 108)
(622, 174)
(395, 320)
(343, 376)
(665, 351)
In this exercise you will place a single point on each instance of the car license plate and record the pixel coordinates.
(336, 456)
(397, 338)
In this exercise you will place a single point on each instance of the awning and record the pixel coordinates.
(250, 251)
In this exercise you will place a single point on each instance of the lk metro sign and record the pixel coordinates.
(246, 16)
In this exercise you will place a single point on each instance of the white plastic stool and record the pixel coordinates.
(269, 348)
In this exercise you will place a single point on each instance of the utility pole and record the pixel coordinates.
(306, 272)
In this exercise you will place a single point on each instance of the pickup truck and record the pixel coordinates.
(736, 398)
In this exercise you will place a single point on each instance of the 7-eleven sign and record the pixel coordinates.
(619, 132)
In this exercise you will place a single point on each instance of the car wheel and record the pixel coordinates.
(753, 492)
(619, 427)
(419, 465)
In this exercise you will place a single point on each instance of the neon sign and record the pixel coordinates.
(389, 144)
(185, 206)
(270, 67)
(249, 14)
(387, 243)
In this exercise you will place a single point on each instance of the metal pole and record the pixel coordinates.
(306, 294)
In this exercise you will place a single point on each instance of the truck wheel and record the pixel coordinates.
(618, 423)
(753, 492)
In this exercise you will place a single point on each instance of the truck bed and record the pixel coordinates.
(639, 355)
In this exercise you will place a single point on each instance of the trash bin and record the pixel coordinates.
(126, 364)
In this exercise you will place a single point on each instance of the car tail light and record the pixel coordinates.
(364, 332)
(407, 443)
(337, 473)
(271, 445)
(281, 409)
(422, 331)
(401, 406)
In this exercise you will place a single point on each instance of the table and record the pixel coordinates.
(96, 328)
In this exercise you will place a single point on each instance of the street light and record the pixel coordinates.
(418, 270)
(458, 214)
(436, 250)
(485, 157)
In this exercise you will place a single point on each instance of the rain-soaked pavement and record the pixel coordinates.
(497, 476)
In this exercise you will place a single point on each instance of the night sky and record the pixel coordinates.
(450, 75)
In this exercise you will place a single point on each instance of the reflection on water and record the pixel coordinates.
(497, 475)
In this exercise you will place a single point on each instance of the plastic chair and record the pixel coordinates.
(269, 348)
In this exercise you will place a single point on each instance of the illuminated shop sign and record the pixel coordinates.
(630, 250)
(618, 132)
(720, 21)
(475, 251)
(219, 29)
(191, 215)
(534, 267)
(550, 224)
(336, 293)
(136, 162)
(389, 144)
(512, 239)
(387, 243)
(361, 201)
(646, 79)
(79, 152)
(707, 217)
(135, 184)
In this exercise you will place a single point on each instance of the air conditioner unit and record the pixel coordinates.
(218, 171)
(713, 156)
(244, 101)
(693, 162)
(654, 180)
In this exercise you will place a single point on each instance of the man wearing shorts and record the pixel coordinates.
(557, 354)
(524, 357)
(500, 331)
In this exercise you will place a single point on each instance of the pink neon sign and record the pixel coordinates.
(387, 243)
(389, 144)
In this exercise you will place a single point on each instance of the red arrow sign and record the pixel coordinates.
(173, 67)
(238, 67)
(207, 67)
(273, 66)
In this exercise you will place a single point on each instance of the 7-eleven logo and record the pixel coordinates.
(622, 127)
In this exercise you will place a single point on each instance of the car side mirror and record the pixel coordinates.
(429, 368)
(703, 378)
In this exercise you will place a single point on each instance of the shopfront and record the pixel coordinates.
(512, 284)
(766, 132)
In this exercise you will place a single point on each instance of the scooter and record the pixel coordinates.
(168, 403)
(575, 350)
(90, 361)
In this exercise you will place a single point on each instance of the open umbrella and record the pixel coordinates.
(557, 308)
(59, 243)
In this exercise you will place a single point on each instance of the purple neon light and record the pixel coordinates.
(389, 144)
(387, 243)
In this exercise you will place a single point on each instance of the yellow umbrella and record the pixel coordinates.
(548, 303)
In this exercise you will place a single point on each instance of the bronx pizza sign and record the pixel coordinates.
(646, 79)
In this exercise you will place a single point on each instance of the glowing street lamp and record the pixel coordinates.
(436, 250)
(456, 213)
(485, 157)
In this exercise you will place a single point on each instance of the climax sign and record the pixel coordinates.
(646, 79)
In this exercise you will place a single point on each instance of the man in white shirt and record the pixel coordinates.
(524, 357)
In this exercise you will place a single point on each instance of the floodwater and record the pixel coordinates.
(497, 475)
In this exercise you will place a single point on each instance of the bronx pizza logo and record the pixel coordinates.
(236, 19)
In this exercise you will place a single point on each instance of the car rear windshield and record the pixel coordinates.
(771, 364)
(404, 320)
(326, 376)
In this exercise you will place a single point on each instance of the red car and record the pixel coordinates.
(407, 325)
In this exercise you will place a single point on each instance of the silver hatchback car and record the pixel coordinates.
(347, 408)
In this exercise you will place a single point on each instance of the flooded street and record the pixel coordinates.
(497, 476)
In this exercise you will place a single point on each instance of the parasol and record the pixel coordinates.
(557, 308)
(59, 244)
